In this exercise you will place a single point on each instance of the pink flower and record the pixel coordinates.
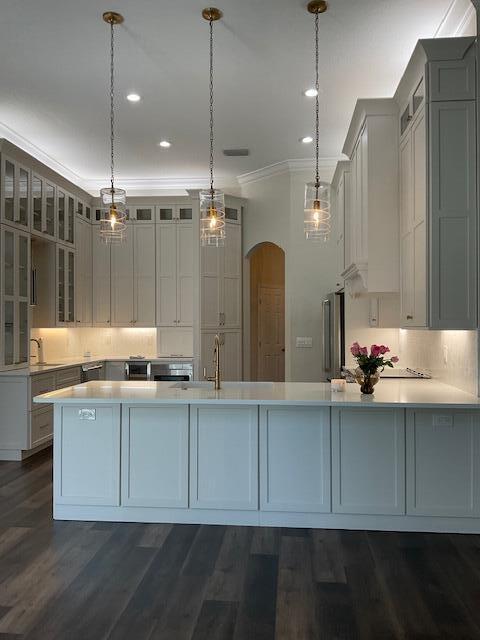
(384, 349)
(355, 349)
(395, 359)
(363, 351)
(375, 350)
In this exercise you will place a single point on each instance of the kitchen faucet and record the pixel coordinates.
(39, 343)
(216, 363)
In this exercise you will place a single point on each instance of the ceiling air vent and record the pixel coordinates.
(236, 152)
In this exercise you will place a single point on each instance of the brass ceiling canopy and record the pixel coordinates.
(212, 13)
(112, 17)
(317, 6)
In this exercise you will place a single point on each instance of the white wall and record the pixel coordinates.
(275, 214)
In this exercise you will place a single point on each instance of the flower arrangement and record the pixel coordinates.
(367, 373)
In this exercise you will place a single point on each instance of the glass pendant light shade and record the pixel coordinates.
(212, 218)
(317, 222)
(114, 215)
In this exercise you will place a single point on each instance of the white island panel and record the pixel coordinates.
(87, 445)
(443, 463)
(155, 456)
(368, 461)
(295, 459)
(224, 457)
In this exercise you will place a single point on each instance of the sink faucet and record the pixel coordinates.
(39, 344)
(216, 363)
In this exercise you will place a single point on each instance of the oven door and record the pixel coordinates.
(138, 370)
(172, 372)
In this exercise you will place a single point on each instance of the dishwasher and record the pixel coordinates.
(93, 371)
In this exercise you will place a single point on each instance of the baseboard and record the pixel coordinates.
(17, 455)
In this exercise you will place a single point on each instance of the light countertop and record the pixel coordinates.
(73, 361)
(388, 393)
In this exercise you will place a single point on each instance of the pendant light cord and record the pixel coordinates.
(317, 119)
(212, 190)
(112, 108)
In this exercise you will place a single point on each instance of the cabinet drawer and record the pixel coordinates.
(68, 377)
(41, 384)
(41, 426)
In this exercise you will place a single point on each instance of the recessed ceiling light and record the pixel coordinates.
(165, 144)
(133, 97)
(310, 93)
(306, 139)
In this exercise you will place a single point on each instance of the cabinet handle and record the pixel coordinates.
(409, 317)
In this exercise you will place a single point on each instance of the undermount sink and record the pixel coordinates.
(204, 384)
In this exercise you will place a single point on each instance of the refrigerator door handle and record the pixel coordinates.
(327, 336)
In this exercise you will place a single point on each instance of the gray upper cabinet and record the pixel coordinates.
(438, 186)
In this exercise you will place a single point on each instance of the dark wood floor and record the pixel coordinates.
(69, 580)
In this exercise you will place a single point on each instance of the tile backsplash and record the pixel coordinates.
(450, 356)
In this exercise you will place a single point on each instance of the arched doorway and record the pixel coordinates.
(267, 313)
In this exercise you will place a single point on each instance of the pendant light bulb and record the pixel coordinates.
(114, 214)
(317, 225)
(212, 201)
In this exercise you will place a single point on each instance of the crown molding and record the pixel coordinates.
(287, 166)
(30, 148)
(460, 14)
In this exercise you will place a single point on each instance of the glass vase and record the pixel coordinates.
(367, 381)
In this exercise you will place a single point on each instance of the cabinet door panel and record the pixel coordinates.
(101, 280)
(295, 459)
(184, 275)
(443, 453)
(368, 461)
(454, 216)
(231, 355)
(224, 457)
(407, 282)
(166, 275)
(406, 186)
(212, 271)
(144, 274)
(155, 456)
(123, 282)
(88, 452)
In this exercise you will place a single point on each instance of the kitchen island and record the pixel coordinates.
(293, 454)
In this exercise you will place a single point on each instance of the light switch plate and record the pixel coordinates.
(304, 342)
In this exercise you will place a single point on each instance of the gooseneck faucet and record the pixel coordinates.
(216, 362)
(39, 344)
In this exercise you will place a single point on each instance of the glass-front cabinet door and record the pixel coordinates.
(65, 286)
(43, 207)
(65, 217)
(70, 221)
(15, 292)
(15, 193)
(61, 214)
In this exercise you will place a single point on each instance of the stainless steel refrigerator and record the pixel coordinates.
(333, 308)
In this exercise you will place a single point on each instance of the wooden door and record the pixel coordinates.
(271, 334)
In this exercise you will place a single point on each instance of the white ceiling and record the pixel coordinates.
(54, 75)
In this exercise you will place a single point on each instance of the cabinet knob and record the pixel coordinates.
(409, 317)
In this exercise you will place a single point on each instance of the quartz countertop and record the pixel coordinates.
(388, 393)
(73, 361)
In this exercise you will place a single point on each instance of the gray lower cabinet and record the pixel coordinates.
(224, 457)
(443, 463)
(155, 456)
(368, 461)
(87, 441)
(295, 459)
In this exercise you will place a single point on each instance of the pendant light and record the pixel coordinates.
(114, 215)
(317, 194)
(212, 201)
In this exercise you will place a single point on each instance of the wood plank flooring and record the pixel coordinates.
(90, 581)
